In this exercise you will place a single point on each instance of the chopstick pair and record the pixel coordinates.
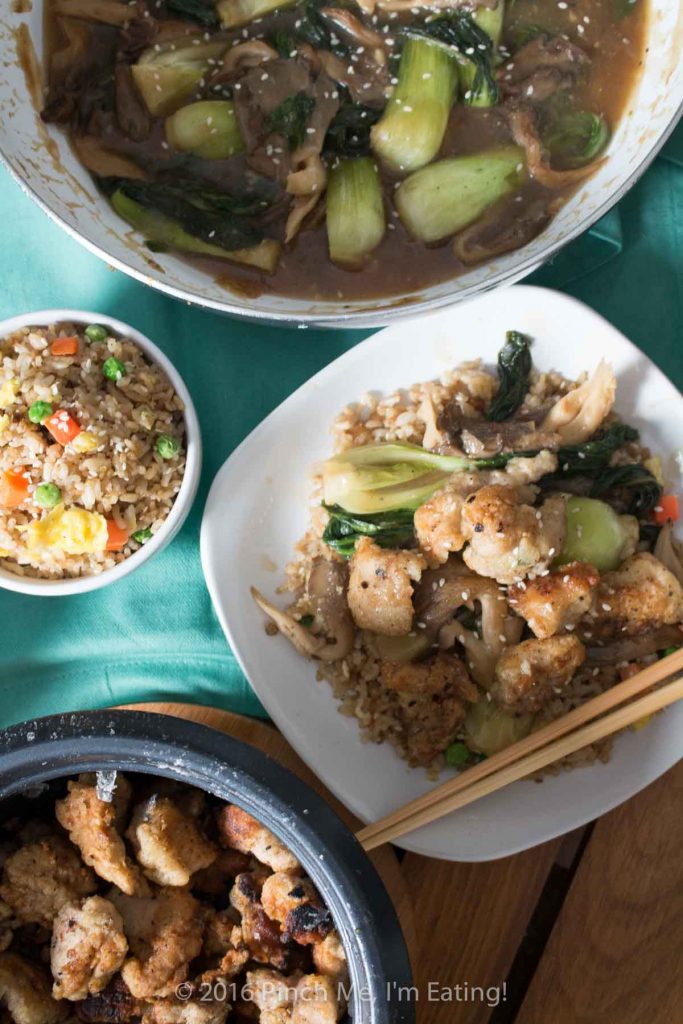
(591, 722)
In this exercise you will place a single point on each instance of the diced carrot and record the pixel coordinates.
(64, 346)
(62, 426)
(13, 487)
(118, 536)
(667, 510)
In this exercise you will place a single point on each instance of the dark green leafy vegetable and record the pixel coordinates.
(514, 367)
(306, 620)
(667, 651)
(290, 118)
(205, 213)
(202, 11)
(523, 33)
(622, 8)
(475, 51)
(576, 138)
(643, 490)
(349, 133)
(284, 43)
(593, 456)
(387, 529)
(649, 532)
(311, 27)
(457, 755)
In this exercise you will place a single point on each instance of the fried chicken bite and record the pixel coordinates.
(41, 877)
(529, 674)
(329, 957)
(6, 926)
(315, 1001)
(187, 1011)
(242, 832)
(557, 601)
(434, 675)
(93, 825)
(296, 905)
(113, 1005)
(25, 991)
(167, 842)
(438, 525)
(380, 593)
(269, 990)
(260, 933)
(642, 594)
(88, 947)
(165, 933)
(509, 540)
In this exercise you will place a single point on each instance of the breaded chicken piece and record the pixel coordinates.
(113, 1005)
(25, 991)
(93, 825)
(296, 904)
(552, 603)
(268, 989)
(167, 842)
(434, 675)
(6, 926)
(438, 525)
(380, 593)
(237, 829)
(88, 947)
(529, 674)
(218, 877)
(315, 1001)
(329, 957)
(220, 933)
(41, 877)
(509, 540)
(260, 933)
(640, 595)
(165, 933)
(188, 1011)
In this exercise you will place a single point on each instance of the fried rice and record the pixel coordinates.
(111, 468)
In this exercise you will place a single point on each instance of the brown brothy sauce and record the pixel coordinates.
(615, 46)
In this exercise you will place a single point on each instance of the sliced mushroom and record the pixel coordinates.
(326, 589)
(301, 638)
(669, 551)
(522, 120)
(633, 648)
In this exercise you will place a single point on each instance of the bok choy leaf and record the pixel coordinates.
(514, 367)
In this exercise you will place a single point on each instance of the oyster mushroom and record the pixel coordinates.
(326, 591)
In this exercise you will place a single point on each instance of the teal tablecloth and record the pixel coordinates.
(154, 635)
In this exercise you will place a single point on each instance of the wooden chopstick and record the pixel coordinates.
(554, 741)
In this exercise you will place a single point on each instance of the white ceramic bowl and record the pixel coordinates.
(48, 170)
(188, 488)
(266, 485)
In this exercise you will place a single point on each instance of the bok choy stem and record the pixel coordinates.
(449, 195)
(355, 211)
(411, 129)
(207, 129)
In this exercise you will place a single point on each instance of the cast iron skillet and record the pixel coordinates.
(33, 753)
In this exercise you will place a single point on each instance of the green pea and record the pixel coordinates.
(140, 536)
(457, 755)
(39, 412)
(113, 369)
(96, 332)
(166, 446)
(47, 495)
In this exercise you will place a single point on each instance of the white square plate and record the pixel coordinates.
(258, 509)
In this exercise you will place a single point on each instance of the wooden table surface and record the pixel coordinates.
(586, 929)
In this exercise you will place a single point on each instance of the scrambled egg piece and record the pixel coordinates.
(71, 530)
(85, 442)
(8, 392)
(4, 423)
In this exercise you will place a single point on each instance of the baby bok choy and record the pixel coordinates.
(355, 211)
(473, 38)
(387, 529)
(207, 129)
(177, 218)
(386, 477)
(449, 195)
(576, 138)
(166, 75)
(411, 129)
(234, 13)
